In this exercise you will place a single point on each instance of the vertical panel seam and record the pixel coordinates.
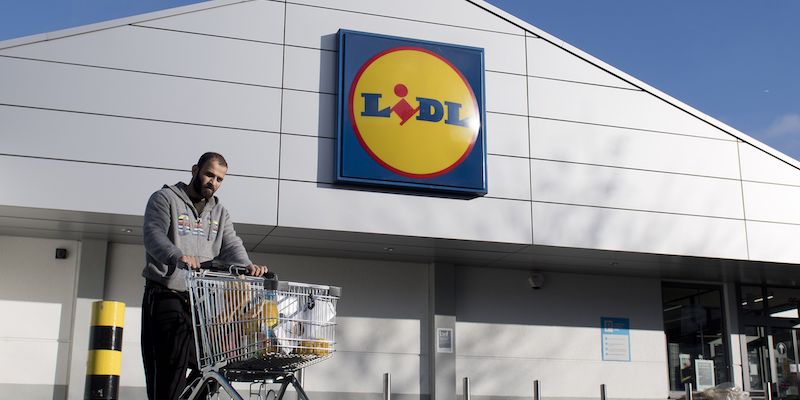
(744, 205)
(280, 122)
(75, 287)
(528, 126)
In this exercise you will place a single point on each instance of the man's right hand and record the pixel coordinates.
(191, 262)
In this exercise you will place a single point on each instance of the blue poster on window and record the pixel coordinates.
(616, 339)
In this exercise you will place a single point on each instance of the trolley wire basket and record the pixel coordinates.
(251, 328)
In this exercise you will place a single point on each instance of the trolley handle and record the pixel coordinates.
(270, 278)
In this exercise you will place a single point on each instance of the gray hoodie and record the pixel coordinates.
(172, 228)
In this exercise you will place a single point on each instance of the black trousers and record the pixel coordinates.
(168, 347)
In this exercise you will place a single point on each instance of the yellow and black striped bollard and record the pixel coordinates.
(105, 351)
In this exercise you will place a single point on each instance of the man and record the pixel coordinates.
(184, 225)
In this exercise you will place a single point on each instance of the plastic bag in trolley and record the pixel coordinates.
(305, 324)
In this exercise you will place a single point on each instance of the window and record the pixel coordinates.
(695, 329)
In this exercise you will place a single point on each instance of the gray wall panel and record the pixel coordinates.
(165, 52)
(774, 242)
(249, 200)
(559, 182)
(445, 12)
(759, 166)
(308, 205)
(546, 60)
(135, 142)
(260, 20)
(611, 106)
(103, 91)
(630, 148)
(638, 231)
(317, 27)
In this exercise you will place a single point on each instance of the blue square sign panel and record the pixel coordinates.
(410, 114)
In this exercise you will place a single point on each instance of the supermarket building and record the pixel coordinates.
(643, 221)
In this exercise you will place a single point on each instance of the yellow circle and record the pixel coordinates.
(420, 146)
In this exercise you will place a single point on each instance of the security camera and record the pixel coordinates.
(536, 280)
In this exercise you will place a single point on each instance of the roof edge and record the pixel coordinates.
(114, 23)
(636, 82)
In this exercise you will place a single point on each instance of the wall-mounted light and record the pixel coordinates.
(61, 253)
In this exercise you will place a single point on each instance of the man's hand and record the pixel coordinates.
(191, 262)
(257, 270)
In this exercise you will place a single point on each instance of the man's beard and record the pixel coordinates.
(202, 191)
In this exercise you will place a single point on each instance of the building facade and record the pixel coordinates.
(641, 221)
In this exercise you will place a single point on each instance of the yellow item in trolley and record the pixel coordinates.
(317, 347)
(269, 308)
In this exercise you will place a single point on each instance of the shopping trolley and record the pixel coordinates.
(258, 330)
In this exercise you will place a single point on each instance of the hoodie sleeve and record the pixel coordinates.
(232, 248)
(155, 228)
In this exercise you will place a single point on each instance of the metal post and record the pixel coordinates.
(466, 389)
(689, 393)
(299, 376)
(603, 391)
(387, 386)
(537, 394)
(767, 391)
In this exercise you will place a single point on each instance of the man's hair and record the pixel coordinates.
(206, 157)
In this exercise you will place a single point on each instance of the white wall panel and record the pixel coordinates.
(602, 145)
(30, 319)
(641, 380)
(762, 167)
(637, 231)
(363, 373)
(563, 342)
(132, 368)
(308, 159)
(506, 93)
(611, 106)
(445, 12)
(378, 335)
(772, 203)
(773, 242)
(546, 60)
(66, 87)
(506, 135)
(307, 205)
(249, 200)
(252, 20)
(560, 182)
(96, 138)
(508, 177)
(31, 362)
(166, 52)
(317, 28)
(570, 322)
(311, 114)
(503, 325)
(310, 69)
(36, 306)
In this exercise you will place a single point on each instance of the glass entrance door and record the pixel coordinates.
(772, 357)
(784, 350)
(771, 319)
(758, 361)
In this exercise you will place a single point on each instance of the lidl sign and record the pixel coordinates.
(411, 114)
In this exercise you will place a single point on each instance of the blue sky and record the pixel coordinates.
(736, 60)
